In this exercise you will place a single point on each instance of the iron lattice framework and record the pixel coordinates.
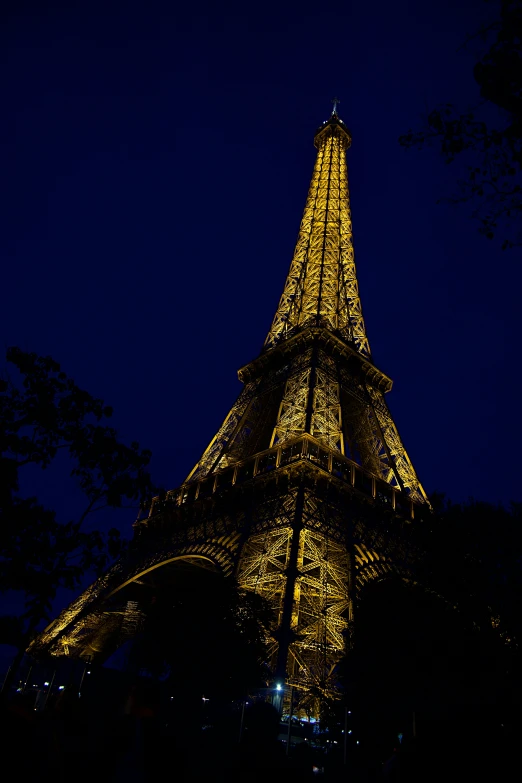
(305, 491)
(321, 288)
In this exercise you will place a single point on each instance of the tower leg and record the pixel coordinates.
(285, 628)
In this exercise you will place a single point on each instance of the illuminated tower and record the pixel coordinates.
(301, 492)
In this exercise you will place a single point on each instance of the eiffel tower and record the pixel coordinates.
(301, 493)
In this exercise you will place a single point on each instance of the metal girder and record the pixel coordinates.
(306, 489)
(321, 288)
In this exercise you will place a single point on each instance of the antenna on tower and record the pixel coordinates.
(335, 101)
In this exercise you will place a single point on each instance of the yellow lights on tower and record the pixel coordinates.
(321, 288)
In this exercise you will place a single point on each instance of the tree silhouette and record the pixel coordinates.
(204, 636)
(488, 136)
(443, 642)
(43, 413)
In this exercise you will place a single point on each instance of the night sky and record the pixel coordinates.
(156, 161)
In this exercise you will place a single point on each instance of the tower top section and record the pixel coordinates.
(321, 289)
(334, 126)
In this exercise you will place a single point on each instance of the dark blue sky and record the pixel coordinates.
(155, 166)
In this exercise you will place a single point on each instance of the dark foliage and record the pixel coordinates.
(473, 558)
(203, 636)
(444, 645)
(488, 136)
(44, 413)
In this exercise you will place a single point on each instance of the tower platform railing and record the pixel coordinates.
(304, 448)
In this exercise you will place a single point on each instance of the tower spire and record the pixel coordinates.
(321, 288)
